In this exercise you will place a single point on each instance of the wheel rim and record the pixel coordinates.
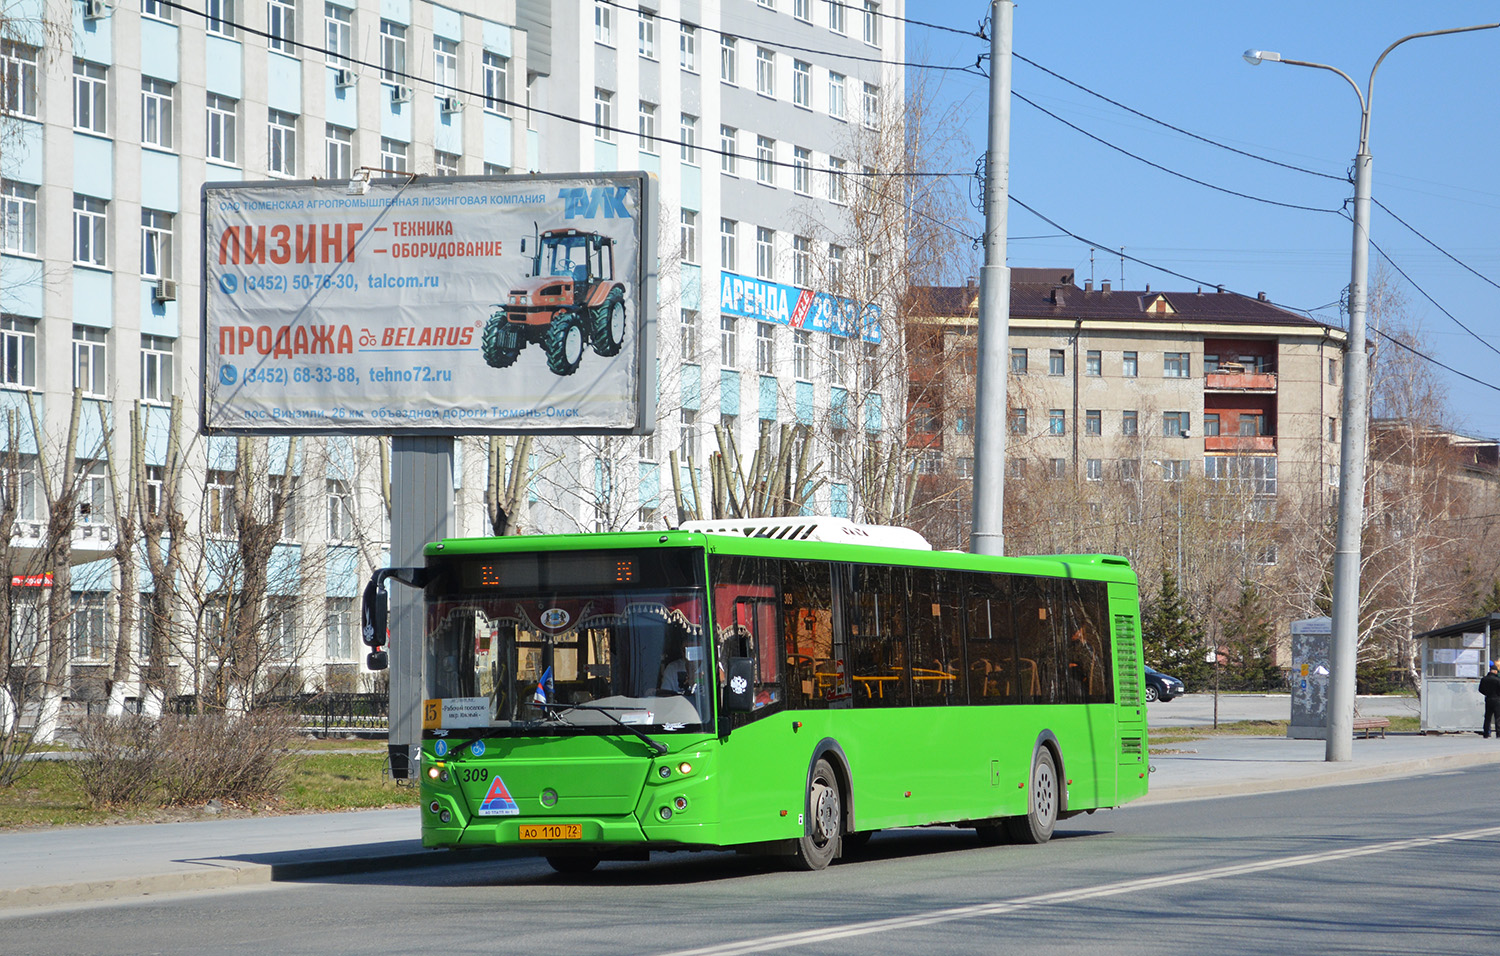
(1044, 794)
(617, 323)
(573, 346)
(1150, 693)
(825, 808)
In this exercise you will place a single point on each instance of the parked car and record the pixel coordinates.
(1162, 687)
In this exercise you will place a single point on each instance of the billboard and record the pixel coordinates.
(421, 305)
(797, 307)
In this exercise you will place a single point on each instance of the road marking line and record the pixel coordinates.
(806, 937)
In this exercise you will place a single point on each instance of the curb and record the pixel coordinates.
(1317, 778)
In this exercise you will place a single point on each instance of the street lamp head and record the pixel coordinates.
(1254, 57)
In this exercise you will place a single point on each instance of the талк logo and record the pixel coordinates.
(229, 284)
(228, 374)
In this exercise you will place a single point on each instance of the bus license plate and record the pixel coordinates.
(552, 831)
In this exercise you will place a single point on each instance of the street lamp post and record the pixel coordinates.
(1356, 407)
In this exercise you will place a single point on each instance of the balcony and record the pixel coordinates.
(1233, 378)
(1241, 444)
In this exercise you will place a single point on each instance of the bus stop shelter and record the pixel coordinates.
(1453, 659)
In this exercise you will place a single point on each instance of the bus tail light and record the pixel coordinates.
(680, 803)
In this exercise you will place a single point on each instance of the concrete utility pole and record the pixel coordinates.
(991, 408)
(1356, 411)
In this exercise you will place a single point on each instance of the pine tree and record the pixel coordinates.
(1173, 637)
(1249, 639)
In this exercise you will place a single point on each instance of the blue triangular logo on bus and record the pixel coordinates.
(498, 802)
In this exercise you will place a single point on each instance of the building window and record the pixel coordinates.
(729, 64)
(18, 77)
(838, 190)
(495, 169)
(1015, 468)
(728, 150)
(687, 48)
(604, 24)
(338, 629)
(156, 113)
(338, 34)
(220, 15)
(444, 64)
(765, 161)
(838, 17)
(1018, 421)
(1333, 371)
(835, 267)
(1018, 361)
(1252, 425)
(872, 23)
(281, 143)
(18, 218)
(281, 25)
(645, 33)
(1057, 362)
(392, 52)
(156, 244)
(223, 121)
(801, 261)
(836, 86)
(496, 82)
(340, 148)
(688, 136)
(1093, 422)
(90, 361)
(1210, 363)
(17, 352)
(801, 170)
(1093, 363)
(604, 114)
(1176, 365)
(444, 164)
(24, 476)
(90, 229)
(689, 335)
(1210, 424)
(647, 128)
(689, 236)
(765, 71)
(394, 155)
(1174, 424)
(340, 510)
(1333, 429)
(838, 348)
(765, 253)
(1130, 365)
(1130, 469)
(156, 369)
(869, 367)
(1057, 468)
(1057, 421)
(90, 92)
(687, 436)
(218, 511)
(728, 245)
(870, 106)
(1174, 470)
(802, 83)
(1094, 469)
(802, 354)
(765, 348)
(729, 342)
(156, 9)
(89, 624)
(1130, 424)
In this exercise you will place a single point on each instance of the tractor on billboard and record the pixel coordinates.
(571, 299)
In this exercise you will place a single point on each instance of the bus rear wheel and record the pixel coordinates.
(819, 844)
(573, 865)
(1036, 826)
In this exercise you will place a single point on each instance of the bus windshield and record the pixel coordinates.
(528, 654)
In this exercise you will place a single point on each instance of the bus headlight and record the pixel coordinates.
(684, 768)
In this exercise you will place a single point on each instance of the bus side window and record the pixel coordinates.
(1089, 680)
(807, 613)
(876, 644)
(936, 658)
(1036, 641)
(994, 677)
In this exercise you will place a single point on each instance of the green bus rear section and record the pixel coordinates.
(900, 766)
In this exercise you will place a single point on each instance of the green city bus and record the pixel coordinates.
(769, 687)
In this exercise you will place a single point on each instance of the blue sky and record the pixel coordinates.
(1433, 136)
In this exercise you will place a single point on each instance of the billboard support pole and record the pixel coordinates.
(422, 484)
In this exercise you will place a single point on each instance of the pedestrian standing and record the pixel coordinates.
(1489, 686)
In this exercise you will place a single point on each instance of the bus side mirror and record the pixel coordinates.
(739, 693)
(374, 616)
(377, 660)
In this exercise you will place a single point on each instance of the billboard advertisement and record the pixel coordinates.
(796, 307)
(424, 305)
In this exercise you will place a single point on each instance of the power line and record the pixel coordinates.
(1423, 355)
(1175, 129)
(1429, 298)
(1434, 245)
(1165, 169)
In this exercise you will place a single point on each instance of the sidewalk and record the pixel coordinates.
(79, 864)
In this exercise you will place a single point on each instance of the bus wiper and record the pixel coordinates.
(655, 745)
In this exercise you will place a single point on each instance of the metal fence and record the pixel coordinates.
(322, 714)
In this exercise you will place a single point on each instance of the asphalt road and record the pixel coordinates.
(1403, 866)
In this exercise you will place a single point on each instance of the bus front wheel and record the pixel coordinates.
(573, 865)
(819, 844)
(1043, 799)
